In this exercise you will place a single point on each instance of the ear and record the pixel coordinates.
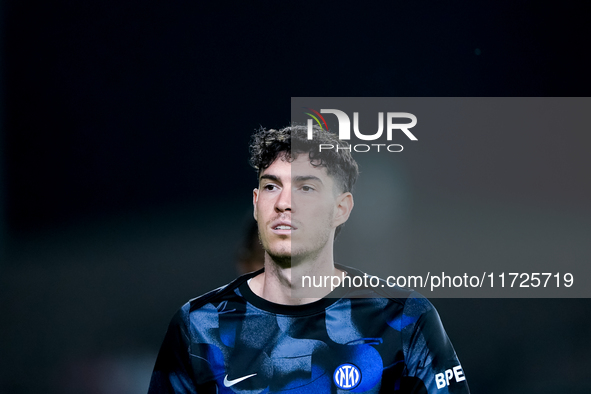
(343, 209)
(255, 198)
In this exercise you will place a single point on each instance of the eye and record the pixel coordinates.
(270, 187)
(307, 188)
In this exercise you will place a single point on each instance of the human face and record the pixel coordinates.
(297, 207)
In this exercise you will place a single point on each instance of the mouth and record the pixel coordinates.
(282, 228)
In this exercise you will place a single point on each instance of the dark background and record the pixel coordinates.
(124, 181)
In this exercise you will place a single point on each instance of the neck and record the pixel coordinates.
(283, 285)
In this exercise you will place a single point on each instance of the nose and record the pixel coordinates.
(283, 202)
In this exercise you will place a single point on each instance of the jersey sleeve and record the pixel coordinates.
(431, 363)
(172, 372)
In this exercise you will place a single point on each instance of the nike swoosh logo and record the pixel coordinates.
(230, 383)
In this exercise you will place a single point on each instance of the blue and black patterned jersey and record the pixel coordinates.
(232, 341)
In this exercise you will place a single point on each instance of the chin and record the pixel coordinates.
(283, 260)
(278, 248)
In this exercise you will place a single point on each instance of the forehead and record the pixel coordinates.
(299, 167)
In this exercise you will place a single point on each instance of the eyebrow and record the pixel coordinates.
(304, 178)
(299, 178)
(269, 177)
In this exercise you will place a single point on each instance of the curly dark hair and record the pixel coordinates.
(268, 145)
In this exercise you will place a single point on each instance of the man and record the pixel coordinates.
(267, 332)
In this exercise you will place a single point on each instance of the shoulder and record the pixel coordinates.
(405, 310)
(203, 302)
(364, 285)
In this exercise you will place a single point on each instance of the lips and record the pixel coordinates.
(282, 226)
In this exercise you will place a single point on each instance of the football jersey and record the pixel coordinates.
(368, 339)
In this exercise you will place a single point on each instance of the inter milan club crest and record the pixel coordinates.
(347, 376)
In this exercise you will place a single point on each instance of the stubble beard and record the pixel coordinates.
(289, 257)
(280, 257)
